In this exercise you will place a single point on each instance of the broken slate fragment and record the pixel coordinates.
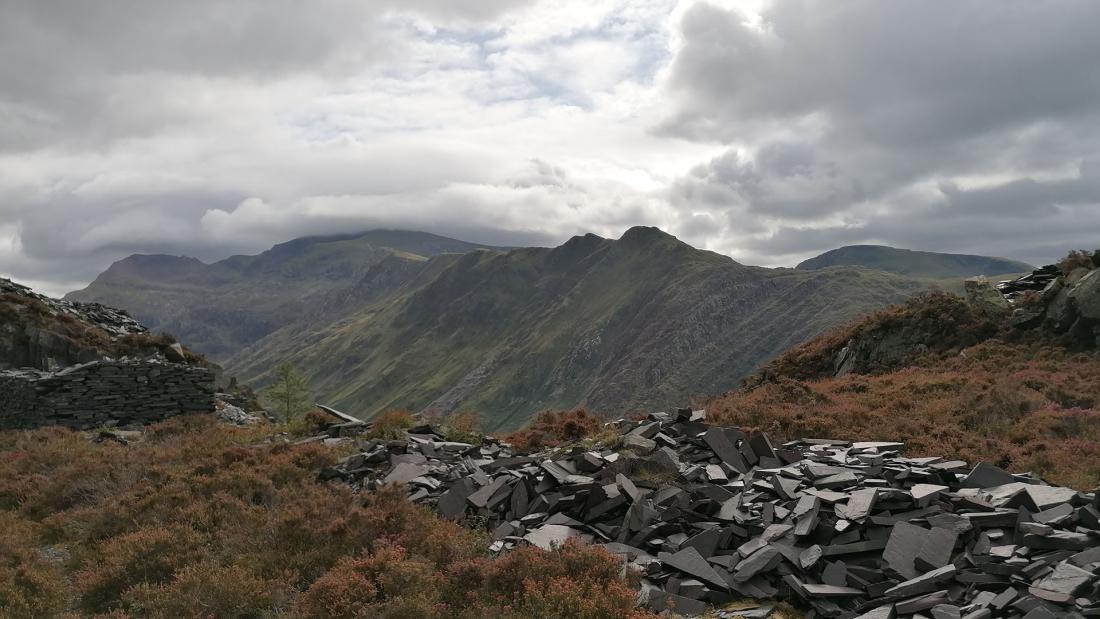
(1066, 578)
(552, 536)
(405, 472)
(765, 559)
(882, 612)
(924, 583)
(938, 548)
(689, 561)
(987, 476)
(905, 543)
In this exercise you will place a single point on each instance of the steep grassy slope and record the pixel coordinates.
(222, 307)
(640, 322)
(914, 263)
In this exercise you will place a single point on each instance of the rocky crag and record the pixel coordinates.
(84, 365)
(39, 332)
(1059, 304)
(707, 515)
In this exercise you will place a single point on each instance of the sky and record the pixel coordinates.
(768, 130)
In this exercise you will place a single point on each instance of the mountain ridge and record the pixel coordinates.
(613, 324)
(913, 262)
(223, 306)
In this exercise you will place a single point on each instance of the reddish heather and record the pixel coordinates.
(552, 428)
(1023, 406)
(200, 519)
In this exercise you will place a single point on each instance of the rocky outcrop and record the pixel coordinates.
(1065, 305)
(104, 393)
(39, 332)
(1062, 304)
(985, 298)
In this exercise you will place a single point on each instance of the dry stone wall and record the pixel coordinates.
(104, 393)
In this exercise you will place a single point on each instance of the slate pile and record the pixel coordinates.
(709, 515)
(1035, 281)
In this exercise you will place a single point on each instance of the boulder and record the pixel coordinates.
(1086, 296)
(985, 298)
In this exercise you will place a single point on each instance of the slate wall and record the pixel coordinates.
(102, 392)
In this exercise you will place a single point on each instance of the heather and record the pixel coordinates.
(197, 518)
(1022, 406)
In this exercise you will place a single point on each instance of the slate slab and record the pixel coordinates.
(689, 561)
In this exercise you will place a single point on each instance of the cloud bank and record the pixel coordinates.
(770, 131)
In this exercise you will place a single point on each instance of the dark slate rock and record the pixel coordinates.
(1066, 578)
(923, 602)
(725, 449)
(689, 561)
(452, 503)
(819, 590)
(405, 472)
(761, 446)
(924, 583)
(481, 497)
(835, 573)
(905, 543)
(987, 476)
(937, 550)
(706, 542)
(765, 559)
(660, 601)
(882, 612)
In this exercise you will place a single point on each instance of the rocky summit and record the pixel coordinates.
(708, 515)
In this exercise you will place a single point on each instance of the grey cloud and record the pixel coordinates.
(1033, 220)
(87, 73)
(897, 73)
(786, 179)
(897, 93)
(848, 116)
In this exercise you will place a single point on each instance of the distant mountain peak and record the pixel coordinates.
(645, 234)
(914, 263)
(154, 266)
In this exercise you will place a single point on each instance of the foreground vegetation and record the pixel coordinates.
(198, 519)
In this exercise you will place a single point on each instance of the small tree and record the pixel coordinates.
(289, 392)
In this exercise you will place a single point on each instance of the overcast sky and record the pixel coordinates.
(766, 130)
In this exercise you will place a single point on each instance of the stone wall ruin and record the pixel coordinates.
(104, 392)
